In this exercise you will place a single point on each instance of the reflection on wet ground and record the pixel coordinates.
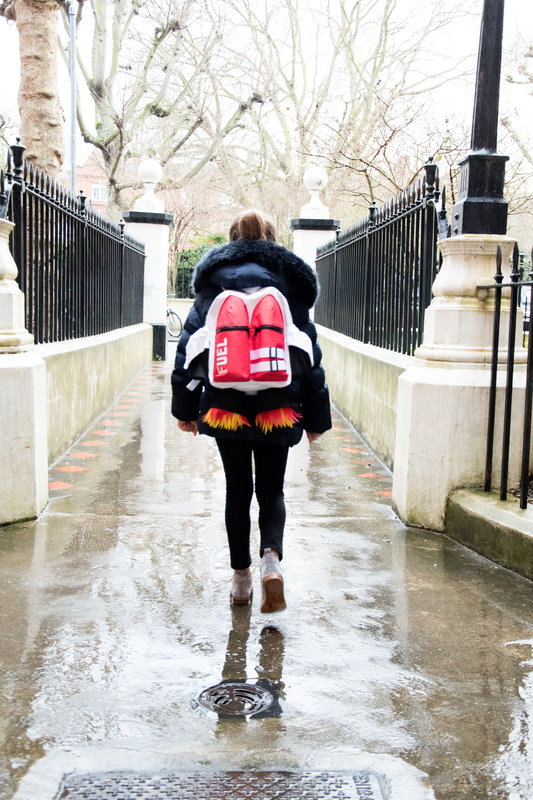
(115, 616)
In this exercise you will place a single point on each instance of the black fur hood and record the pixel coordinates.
(292, 272)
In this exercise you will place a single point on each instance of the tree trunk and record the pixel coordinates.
(41, 115)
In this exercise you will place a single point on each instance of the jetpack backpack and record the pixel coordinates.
(249, 336)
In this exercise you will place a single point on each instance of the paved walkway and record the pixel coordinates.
(401, 653)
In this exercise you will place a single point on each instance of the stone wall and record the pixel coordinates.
(84, 376)
(363, 384)
(50, 395)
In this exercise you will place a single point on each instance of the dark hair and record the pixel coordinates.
(251, 224)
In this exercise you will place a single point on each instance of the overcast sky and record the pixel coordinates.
(461, 43)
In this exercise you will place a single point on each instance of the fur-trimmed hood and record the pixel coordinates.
(297, 276)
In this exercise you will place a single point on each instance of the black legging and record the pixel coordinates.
(270, 463)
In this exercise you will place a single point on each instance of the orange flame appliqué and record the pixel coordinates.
(277, 418)
(228, 420)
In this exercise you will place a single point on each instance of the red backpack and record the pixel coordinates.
(248, 336)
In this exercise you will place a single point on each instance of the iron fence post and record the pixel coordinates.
(372, 212)
(498, 278)
(121, 226)
(15, 158)
(333, 287)
(510, 369)
(428, 255)
(82, 261)
(528, 403)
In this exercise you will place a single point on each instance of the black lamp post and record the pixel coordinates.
(481, 207)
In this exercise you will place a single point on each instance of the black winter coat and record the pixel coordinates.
(240, 265)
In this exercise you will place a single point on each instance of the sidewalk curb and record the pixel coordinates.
(499, 530)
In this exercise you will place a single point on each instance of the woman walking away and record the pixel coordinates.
(233, 379)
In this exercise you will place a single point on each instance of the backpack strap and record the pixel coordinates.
(197, 343)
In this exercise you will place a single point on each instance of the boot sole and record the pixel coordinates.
(273, 597)
(241, 601)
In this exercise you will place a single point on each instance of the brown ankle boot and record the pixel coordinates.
(241, 590)
(273, 597)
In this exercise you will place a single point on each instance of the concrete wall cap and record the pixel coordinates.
(476, 244)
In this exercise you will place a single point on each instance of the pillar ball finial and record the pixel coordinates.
(315, 178)
(150, 171)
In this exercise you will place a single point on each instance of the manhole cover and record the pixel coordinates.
(236, 699)
(223, 786)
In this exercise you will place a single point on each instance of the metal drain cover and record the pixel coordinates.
(236, 698)
(223, 786)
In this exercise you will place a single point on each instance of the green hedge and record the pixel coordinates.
(185, 262)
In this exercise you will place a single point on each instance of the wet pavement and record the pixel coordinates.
(400, 653)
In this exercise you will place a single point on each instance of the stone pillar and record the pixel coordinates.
(442, 407)
(313, 227)
(14, 338)
(23, 410)
(148, 223)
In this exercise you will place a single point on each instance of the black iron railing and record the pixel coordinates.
(376, 277)
(515, 285)
(80, 274)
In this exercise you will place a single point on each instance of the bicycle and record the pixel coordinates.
(174, 324)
